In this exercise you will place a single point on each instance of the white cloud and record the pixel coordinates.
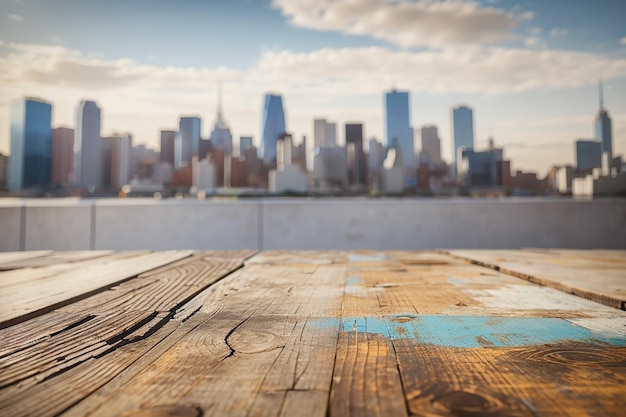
(406, 23)
(623, 40)
(467, 70)
(62, 67)
(555, 32)
(534, 41)
(16, 17)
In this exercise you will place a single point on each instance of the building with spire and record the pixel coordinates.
(602, 127)
(221, 138)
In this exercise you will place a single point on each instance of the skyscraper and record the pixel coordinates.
(431, 144)
(588, 154)
(603, 129)
(121, 160)
(273, 126)
(62, 155)
(168, 139)
(187, 140)
(462, 130)
(399, 130)
(221, 138)
(87, 146)
(245, 144)
(31, 144)
(356, 156)
(324, 133)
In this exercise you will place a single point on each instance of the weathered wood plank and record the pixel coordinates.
(27, 276)
(456, 357)
(6, 257)
(568, 271)
(20, 302)
(54, 259)
(256, 346)
(85, 354)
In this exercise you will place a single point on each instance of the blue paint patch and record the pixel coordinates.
(367, 258)
(456, 281)
(471, 331)
(354, 280)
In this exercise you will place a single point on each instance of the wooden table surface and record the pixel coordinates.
(182, 333)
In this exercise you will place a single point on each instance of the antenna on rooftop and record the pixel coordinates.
(219, 99)
(601, 96)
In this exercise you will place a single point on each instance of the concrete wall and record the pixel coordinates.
(298, 223)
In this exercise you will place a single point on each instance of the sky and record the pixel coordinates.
(529, 69)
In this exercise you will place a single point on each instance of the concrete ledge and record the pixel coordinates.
(455, 223)
(359, 223)
(58, 228)
(177, 225)
(10, 225)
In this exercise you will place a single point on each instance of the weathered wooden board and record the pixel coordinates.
(42, 292)
(473, 341)
(60, 357)
(596, 275)
(54, 258)
(256, 347)
(7, 257)
(320, 333)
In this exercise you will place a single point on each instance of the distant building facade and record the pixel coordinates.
(398, 126)
(31, 144)
(356, 155)
(187, 141)
(462, 131)
(431, 144)
(121, 160)
(245, 144)
(168, 141)
(4, 168)
(481, 169)
(87, 146)
(324, 133)
(330, 168)
(62, 155)
(393, 172)
(588, 154)
(375, 159)
(273, 127)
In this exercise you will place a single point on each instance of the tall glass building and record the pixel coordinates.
(603, 129)
(187, 141)
(31, 144)
(273, 126)
(588, 154)
(88, 171)
(399, 132)
(462, 130)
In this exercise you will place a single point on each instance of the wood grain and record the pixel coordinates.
(595, 275)
(81, 347)
(355, 333)
(44, 293)
(7, 257)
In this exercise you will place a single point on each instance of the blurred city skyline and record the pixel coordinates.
(529, 70)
